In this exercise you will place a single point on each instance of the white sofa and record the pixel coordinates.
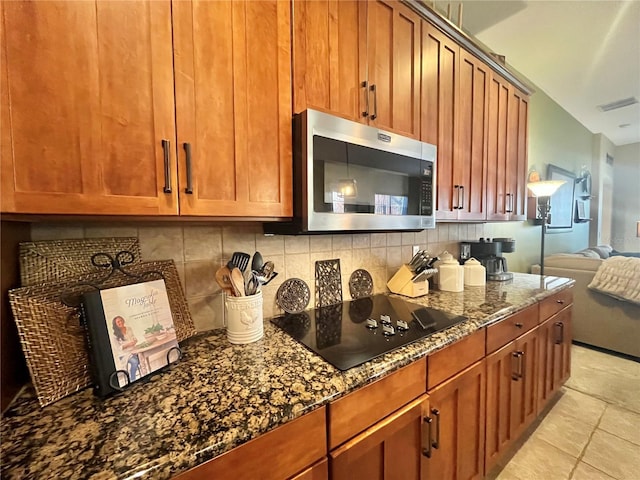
(598, 319)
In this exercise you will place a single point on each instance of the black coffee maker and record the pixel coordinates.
(489, 253)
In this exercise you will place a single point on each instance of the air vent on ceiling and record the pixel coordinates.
(625, 102)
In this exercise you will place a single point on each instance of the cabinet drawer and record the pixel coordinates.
(358, 410)
(552, 305)
(455, 358)
(280, 453)
(511, 327)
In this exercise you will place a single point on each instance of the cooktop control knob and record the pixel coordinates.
(371, 323)
(402, 325)
(385, 319)
(388, 330)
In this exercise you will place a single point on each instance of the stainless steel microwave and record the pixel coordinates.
(353, 177)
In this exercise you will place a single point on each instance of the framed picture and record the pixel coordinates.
(581, 210)
(562, 201)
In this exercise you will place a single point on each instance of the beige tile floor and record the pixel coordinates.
(592, 432)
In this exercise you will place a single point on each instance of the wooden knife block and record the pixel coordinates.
(401, 284)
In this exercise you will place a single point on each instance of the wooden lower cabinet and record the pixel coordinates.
(457, 412)
(511, 394)
(317, 471)
(554, 356)
(284, 452)
(392, 449)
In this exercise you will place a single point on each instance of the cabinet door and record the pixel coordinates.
(458, 425)
(517, 127)
(512, 385)
(497, 151)
(554, 355)
(233, 107)
(328, 44)
(390, 449)
(439, 114)
(87, 98)
(318, 471)
(471, 155)
(393, 61)
(525, 383)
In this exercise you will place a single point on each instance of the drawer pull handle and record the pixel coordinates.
(519, 325)
(561, 302)
(427, 451)
(436, 413)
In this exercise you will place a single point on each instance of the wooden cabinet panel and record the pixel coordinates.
(552, 305)
(503, 332)
(393, 60)
(87, 98)
(280, 453)
(512, 385)
(455, 95)
(453, 359)
(234, 107)
(318, 471)
(471, 156)
(389, 450)
(507, 151)
(457, 410)
(327, 47)
(356, 411)
(439, 114)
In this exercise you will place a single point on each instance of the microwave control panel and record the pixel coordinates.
(426, 189)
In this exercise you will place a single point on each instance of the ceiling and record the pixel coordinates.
(581, 53)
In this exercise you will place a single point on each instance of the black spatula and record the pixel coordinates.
(240, 260)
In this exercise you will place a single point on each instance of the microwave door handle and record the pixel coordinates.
(365, 85)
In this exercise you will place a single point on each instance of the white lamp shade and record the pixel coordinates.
(546, 188)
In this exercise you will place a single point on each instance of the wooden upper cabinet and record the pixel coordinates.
(455, 89)
(360, 61)
(507, 151)
(233, 107)
(89, 112)
(87, 98)
(328, 44)
(393, 62)
(471, 155)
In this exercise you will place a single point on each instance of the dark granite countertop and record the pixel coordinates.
(219, 396)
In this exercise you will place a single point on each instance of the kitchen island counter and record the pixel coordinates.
(220, 396)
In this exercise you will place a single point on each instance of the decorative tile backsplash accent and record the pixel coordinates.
(199, 250)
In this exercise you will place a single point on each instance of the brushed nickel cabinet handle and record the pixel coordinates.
(166, 146)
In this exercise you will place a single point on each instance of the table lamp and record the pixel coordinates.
(543, 191)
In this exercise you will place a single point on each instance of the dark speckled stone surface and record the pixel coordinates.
(219, 396)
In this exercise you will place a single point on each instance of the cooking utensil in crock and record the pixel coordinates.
(257, 262)
(237, 281)
(240, 260)
(223, 278)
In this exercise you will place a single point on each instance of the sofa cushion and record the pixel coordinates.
(604, 251)
(574, 261)
(589, 253)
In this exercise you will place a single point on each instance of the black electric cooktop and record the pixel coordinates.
(354, 332)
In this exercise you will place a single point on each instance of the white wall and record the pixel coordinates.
(626, 200)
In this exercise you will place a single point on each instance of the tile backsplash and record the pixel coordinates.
(199, 250)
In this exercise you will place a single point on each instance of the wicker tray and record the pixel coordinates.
(59, 260)
(53, 340)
